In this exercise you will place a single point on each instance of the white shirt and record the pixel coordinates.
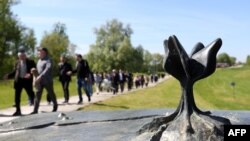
(121, 76)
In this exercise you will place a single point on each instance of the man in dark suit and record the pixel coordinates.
(115, 81)
(23, 79)
(64, 76)
(122, 79)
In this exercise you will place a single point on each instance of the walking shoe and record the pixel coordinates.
(54, 108)
(79, 102)
(65, 102)
(17, 113)
(89, 99)
(34, 112)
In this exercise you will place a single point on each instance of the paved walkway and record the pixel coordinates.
(6, 114)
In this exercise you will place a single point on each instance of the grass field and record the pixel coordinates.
(7, 92)
(214, 92)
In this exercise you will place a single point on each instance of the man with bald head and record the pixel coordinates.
(23, 79)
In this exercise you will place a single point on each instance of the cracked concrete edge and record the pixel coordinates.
(56, 123)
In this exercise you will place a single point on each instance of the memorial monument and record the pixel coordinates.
(188, 122)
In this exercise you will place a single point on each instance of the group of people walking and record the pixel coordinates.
(113, 81)
(27, 74)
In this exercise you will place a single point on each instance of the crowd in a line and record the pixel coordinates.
(28, 75)
(115, 80)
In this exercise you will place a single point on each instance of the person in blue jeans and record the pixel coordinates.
(90, 83)
(82, 73)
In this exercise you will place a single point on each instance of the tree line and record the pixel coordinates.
(112, 48)
(13, 35)
(230, 60)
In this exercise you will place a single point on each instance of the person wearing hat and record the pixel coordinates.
(44, 79)
(22, 79)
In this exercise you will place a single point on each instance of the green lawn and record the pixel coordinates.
(7, 92)
(214, 92)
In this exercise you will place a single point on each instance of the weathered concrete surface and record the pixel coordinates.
(92, 126)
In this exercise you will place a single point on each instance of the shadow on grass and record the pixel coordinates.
(106, 105)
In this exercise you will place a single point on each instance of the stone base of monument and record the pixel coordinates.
(121, 125)
(200, 127)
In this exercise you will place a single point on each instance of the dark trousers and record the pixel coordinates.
(130, 84)
(65, 86)
(19, 86)
(48, 98)
(50, 90)
(115, 88)
(122, 86)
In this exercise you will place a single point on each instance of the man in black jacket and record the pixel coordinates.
(82, 71)
(115, 81)
(64, 76)
(23, 79)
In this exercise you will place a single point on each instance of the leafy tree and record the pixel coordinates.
(124, 55)
(13, 36)
(112, 49)
(29, 42)
(248, 60)
(57, 42)
(9, 30)
(137, 59)
(147, 59)
(233, 60)
(157, 61)
(225, 58)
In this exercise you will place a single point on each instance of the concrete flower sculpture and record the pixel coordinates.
(188, 122)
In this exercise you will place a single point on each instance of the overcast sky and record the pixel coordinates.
(152, 21)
